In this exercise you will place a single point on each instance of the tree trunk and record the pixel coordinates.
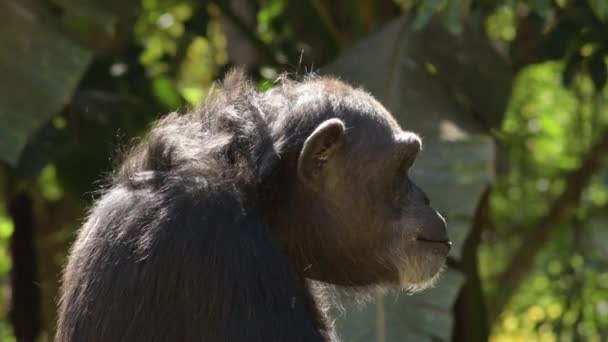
(470, 312)
(25, 299)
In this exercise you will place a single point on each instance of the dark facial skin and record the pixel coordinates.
(352, 173)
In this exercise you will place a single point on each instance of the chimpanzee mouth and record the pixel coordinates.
(445, 242)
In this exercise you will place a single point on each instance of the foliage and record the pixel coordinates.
(182, 64)
(6, 230)
(113, 69)
(546, 130)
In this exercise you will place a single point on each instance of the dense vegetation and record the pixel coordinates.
(539, 238)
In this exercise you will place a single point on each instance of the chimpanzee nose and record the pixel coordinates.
(434, 228)
(420, 195)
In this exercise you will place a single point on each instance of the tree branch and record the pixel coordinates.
(561, 210)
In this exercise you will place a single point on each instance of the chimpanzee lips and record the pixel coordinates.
(445, 242)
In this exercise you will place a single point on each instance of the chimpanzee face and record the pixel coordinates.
(362, 220)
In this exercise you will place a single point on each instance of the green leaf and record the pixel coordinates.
(453, 16)
(40, 69)
(502, 24)
(425, 12)
(92, 11)
(49, 184)
(269, 12)
(542, 7)
(182, 12)
(165, 91)
(6, 227)
(600, 8)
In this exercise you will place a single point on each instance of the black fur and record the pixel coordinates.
(181, 245)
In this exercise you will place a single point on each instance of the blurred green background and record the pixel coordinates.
(509, 95)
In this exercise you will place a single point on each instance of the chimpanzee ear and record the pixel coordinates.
(318, 149)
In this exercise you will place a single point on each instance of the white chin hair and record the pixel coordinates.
(415, 285)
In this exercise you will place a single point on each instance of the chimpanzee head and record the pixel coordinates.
(215, 219)
(345, 210)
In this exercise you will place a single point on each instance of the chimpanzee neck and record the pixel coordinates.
(259, 297)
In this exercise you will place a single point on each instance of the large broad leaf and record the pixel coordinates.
(42, 62)
(451, 90)
(40, 69)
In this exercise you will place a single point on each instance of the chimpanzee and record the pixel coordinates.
(217, 222)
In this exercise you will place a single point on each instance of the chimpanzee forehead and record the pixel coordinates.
(379, 142)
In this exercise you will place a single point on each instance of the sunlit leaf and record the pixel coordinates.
(5, 261)
(600, 8)
(425, 12)
(176, 30)
(49, 185)
(501, 24)
(182, 12)
(6, 227)
(165, 91)
(217, 39)
(453, 16)
(153, 50)
(204, 58)
(194, 95)
(271, 10)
